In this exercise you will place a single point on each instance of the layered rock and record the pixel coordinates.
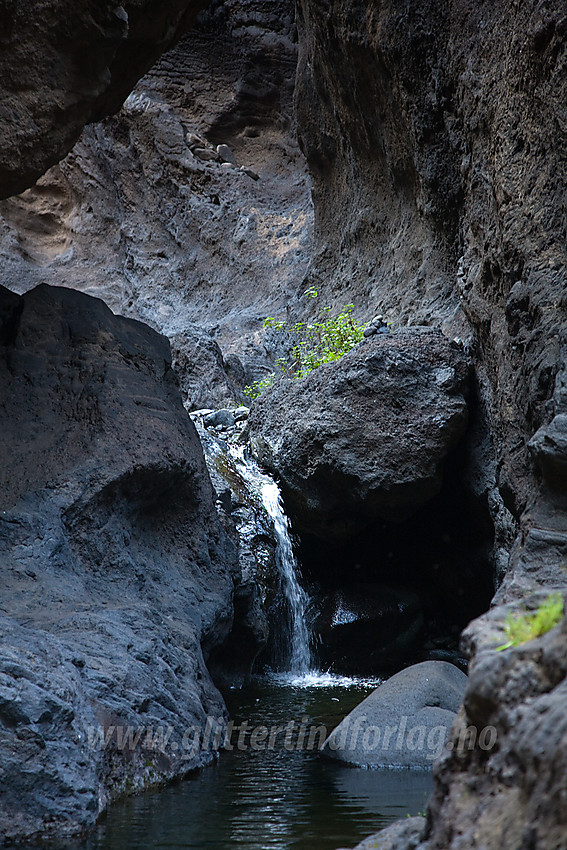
(70, 63)
(145, 214)
(432, 136)
(117, 574)
(366, 437)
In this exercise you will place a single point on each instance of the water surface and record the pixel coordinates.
(271, 799)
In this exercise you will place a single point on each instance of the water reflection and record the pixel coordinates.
(270, 799)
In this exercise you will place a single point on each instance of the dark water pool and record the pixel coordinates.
(271, 799)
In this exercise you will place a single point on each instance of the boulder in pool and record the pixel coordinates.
(405, 722)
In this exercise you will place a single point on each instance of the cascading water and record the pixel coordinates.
(295, 596)
(298, 653)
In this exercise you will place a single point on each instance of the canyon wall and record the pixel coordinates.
(435, 137)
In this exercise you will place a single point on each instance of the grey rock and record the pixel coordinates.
(95, 55)
(219, 419)
(403, 835)
(132, 217)
(249, 172)
(226, 154)
(241, 414)
(206, 154)
(366, 436)
(368, 628)
(117, 574)
(405, 722)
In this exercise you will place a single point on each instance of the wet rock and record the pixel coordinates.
(403, 835)
(366, 436)
(220, 419)
(405, 722)
(117, 574)
(368, 628)
(246, 518)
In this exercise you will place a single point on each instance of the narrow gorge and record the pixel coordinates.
(195, 197)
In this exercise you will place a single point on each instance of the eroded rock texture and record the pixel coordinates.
(145, 214)
(435, 135)
(365, 438)
(63, 64)
(117, 576)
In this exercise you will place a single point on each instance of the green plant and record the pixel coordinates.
(258, 387)
(322, 340)
(522, 627)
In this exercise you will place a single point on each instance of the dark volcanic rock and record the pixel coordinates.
(368, 628)
(434, 134)
(403, 835)
(195, 248)
(63, 64)
(405, 722)
(511, 794)
(365, 437)
(117, 576)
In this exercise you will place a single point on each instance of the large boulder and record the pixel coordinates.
(64, 63)
(117, 576)
(365, 437)
(405, 722)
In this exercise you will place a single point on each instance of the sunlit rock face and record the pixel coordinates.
(68, 63)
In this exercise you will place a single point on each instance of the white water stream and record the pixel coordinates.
(299, 661)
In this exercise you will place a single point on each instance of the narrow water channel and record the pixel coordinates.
(271, 799)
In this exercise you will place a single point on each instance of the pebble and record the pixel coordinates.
(225, 154)
(249, 172)
(206, 154)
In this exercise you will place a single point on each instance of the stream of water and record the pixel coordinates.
(282, 796)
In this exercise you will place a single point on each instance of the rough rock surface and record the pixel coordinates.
(196, 248)
(512, 794)
(434, 136)
(365, 437)
(405, 722)
(117, 576)
(368, 628)
(403, 835)
(63, 64)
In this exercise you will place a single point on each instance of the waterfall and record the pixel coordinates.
(298, 652)
(295, 596)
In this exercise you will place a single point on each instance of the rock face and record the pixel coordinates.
(193, 246)
(405, 722)
(365, 437)
(69, 63)
(117, 576)
(510, 795)
(431, 133)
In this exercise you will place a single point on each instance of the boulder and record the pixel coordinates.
(117, 575)
(365, 437)
(405, 722)
(402, 835)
